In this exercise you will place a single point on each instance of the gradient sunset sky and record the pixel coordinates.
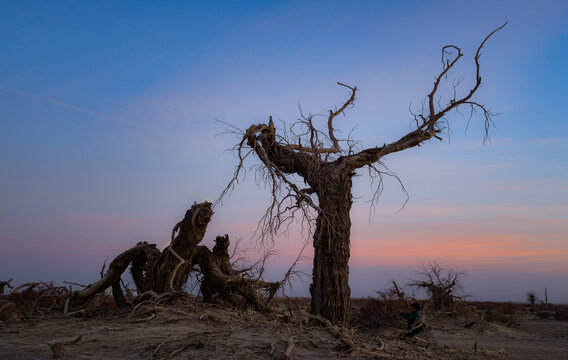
(108, 131)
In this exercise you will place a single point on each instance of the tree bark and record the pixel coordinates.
(330, 287)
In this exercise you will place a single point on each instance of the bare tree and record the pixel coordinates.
(303, 154)
(443, 284)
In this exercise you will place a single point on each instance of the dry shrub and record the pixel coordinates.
(465, 310)
(500, 312)
(38, 299)
(510, 308)
(545, 314)
(42, 298)
(8, 310)
(373, 312)
(292, 305)
(561, 313)
(551, 311)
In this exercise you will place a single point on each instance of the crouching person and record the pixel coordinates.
(414, 319)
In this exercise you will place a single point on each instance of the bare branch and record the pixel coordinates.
(430, 126)
(331, 132)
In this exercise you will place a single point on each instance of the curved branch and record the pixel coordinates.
(332, 114)
(278, 159)
(430, 126)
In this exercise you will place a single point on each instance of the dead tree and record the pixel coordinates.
(303, 154)
(442, 284)
(531, 298)
(158, 272)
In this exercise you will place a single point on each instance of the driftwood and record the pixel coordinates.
(57, 346)
(157, 274)
(26, 285)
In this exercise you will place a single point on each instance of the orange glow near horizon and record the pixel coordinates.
(463, 250)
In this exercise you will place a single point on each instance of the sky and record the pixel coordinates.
(109, 132)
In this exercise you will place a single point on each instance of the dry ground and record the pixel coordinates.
(193, 330)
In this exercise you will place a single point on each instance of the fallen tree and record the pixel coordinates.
(158, 272)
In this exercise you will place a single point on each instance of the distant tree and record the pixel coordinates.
(442, 284)
(303, 154)
(531, 298)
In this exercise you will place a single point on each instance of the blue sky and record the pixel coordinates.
(108, 132)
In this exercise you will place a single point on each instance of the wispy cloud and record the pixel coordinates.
(76, 108)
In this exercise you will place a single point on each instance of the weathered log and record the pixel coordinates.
(57, 346)
(221, 281)
(160, 272)
(174, 265)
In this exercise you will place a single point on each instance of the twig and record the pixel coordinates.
(66, 307)
(155, 352)
(103, 269)
(5, 306)
(178, 351)
(290, 347)
(72, 283)
(143, 319)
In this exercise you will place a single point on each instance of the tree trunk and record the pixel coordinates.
(330, 287)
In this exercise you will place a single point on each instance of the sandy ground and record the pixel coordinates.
(537, 339)
(200, 331)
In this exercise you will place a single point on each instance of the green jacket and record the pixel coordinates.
(412, 318)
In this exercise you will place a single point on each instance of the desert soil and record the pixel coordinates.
(200, 331)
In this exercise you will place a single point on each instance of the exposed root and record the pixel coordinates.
(341, 334)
